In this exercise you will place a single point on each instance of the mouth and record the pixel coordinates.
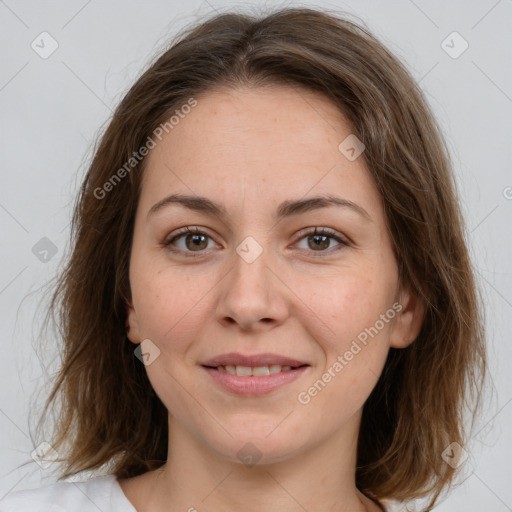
(256, 371)
(253, 381)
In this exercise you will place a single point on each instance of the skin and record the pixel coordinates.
(249, 149)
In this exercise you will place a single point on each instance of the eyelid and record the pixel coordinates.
(193, 230)
(319, 230)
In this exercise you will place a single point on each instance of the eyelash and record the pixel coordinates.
(190, 254)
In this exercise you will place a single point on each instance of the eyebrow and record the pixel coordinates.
(286, 208)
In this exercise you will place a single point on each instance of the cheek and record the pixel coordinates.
(171, 307)
(361, 316)
(353, 303)
(170, 304)
(358, 310)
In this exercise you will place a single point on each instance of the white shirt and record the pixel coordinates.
(99, 493)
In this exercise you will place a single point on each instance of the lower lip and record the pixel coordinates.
(254, 385)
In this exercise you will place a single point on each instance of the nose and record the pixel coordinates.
(252, 296)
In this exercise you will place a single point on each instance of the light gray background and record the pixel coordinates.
(52, 109)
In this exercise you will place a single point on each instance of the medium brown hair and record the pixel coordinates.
(109, 413)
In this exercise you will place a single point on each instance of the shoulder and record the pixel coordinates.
(101, 493)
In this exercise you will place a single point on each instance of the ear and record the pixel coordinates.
(409, 319)
(132, 325)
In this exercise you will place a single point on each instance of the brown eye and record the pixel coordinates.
(188, 241)
(320, 241)
(196, 242)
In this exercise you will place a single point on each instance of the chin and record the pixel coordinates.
(249, 449)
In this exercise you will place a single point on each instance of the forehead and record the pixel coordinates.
(276, 141)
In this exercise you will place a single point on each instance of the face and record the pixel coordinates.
(251, 277)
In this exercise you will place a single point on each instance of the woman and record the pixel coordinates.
(269, 303)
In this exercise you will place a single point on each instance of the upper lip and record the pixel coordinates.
(255, 360)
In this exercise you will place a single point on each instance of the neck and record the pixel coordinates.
(197, 478)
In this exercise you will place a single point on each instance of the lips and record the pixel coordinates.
(252, 385)
(253, 375)
(253, 361)
(246, 371)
